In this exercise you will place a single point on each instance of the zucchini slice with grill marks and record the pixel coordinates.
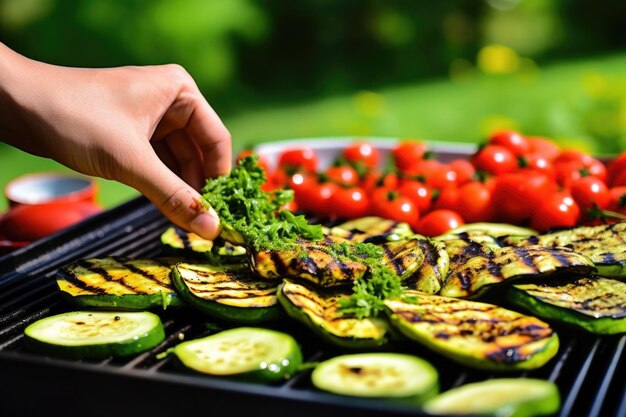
(431, 274)
(397, 376)
(227, 292)
(470, 276)
(479, 335)
(596, 304)
(316, 262)
(318, 309)
(95, 334)
(191, 245)
(372, 229)
(605, 245)
(246, 353)
(120, 283)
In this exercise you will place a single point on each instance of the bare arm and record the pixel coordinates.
(148, 127)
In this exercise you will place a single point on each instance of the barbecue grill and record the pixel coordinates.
(589, 370)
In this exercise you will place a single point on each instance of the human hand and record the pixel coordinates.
(147, 127)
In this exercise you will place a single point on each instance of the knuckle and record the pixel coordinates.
(176, 204)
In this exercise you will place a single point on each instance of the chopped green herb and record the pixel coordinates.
(256, 215)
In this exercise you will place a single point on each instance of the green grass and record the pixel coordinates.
(570, 101)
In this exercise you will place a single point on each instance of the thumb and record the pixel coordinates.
(176, 199)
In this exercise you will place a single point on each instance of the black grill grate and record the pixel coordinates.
(589, 370)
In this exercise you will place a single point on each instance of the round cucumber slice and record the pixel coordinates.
(377, 375)
(510, 397)
(250, 353)
(95, 334)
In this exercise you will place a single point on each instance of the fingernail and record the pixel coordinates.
(206, 225)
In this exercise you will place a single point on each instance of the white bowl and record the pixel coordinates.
(328, 148)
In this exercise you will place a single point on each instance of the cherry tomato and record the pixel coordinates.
(464, 169)
(362, 153)
(448, 198)
(316, 198)
(557, 211)
(589, 192)
(494, 159)
(439, 221)
(543, 146)
(344, 175)
(423, 169)
(617, 202)
(296, 159)
(474, 202)
(537, 162)
(407, 152)
(587, 164)
(391, 204)
(442, 176)
(374, 178)
(615, 167)
(511, 140)
(517, 194)
(349, 203)
(418, 192)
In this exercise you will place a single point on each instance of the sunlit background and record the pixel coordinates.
(276, 69)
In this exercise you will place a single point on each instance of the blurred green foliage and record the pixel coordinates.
(274, 69)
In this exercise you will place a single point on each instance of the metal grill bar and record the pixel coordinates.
(588, 374)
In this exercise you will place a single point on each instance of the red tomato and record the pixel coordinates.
(517, 194)
(344, 175)
(296, 159)
(375, 178)
(615, 167)
(448, 198)
(494, 159)
(316, 198)
(391, 204)
(474, 202)
(511, 140)
(362, 153)
(423, 169)
(464, 169)
(537, 162)
(349, 203)
(442, 176)
(589, 192)
(557, 211)
(407, 153)
(587, 164)
(439, 221)
(543, 146)
(418, 192)
(617, 202)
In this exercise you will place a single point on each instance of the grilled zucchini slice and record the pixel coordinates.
(95, 334)
(605, 245)
(431, 274)
(227, 292)
(318, 309)
(383, 375)
(191, 245)
(372, 229)
(246, 353)
(316, 262)
(492, 229)
(511, 397)
(597, 305)
(120, 283)
(479, 335)
(472, 276)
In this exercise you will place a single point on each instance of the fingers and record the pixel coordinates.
(188, 156)
(212, 137)
(176, 199)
